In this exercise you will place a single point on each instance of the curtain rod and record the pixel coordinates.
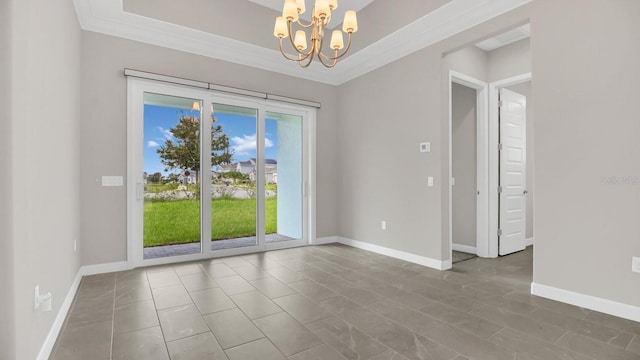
(215, 87)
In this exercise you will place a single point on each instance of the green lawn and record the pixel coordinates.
(178, 221)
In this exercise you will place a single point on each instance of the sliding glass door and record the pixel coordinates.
(283, 174)
(234, 205)
(212, 174)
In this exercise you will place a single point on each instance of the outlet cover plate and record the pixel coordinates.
(635, 264)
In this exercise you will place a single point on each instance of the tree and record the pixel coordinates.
(183, 151)
(235, 175)
(155, 178)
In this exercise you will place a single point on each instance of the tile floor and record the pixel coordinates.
(334, 302)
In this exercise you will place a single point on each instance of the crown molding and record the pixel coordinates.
(108, 17)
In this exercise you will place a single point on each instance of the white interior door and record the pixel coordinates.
(512, 221)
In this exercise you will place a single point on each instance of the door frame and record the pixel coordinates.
(135, 104)
(494, 159)
(482, 158)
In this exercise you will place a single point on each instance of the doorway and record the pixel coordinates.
(214, 174)
(468, 200)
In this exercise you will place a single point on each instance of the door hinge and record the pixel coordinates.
(499, 103)
(499, 147)
(499, 232)
(499, 189)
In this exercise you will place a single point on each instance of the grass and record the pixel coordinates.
(178, 221)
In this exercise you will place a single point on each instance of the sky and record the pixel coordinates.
(241, 130)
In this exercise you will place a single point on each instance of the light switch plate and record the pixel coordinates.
(430, 181)
(635, 264)
(425, 147)
(112, 181)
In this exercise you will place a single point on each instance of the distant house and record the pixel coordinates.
(249, 168)
(245, 167)
(187, 177)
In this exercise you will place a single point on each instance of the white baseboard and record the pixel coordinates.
(398, 254)
(87, 270)
(528, 242)
(52, 336)
(54, 332)
(587, 301)
(464, 248)
(325, 240)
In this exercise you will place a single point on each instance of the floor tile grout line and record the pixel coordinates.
(113, 314)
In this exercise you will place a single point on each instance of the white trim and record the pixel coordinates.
(398, 254)
(528, 242)
(325, 240)
(587, 301)
(108, 17)
(106, 268)
(482, 160)
(56, 327)
(494, 139)
(464, 248)
(216, 87)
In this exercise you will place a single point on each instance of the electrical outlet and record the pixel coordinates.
(635, 264)
(383, 225)
(75, 245)
(36, 301)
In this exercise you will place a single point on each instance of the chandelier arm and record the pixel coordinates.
(293, 44)
(338, 56)
(302, 56)
(308, 62)
(306, 26)
(322, 56)
(285, 54)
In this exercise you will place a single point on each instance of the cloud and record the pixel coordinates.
(152, 144)
(246, 145)
(166, 133)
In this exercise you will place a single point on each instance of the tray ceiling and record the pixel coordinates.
(176, 28)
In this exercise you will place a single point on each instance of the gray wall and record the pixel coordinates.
(471, 61)
(384, 176)
(7, 346)
(525, 90)
(104, 132)
(384, 116)
(464, 162)
(585, 85)
(509, 60)
(45, 169)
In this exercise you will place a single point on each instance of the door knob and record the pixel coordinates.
(525, 192)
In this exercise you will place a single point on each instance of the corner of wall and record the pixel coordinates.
(7, 330)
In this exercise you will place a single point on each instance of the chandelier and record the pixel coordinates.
(320, 18)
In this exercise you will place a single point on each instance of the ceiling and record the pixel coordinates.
(505, 38)
(240, 31)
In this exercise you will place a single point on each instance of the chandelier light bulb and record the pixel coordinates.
(300, 40)
(281, 30)
(322, 9)
(337, 41)
(290, 10)
(350, 24)
(301, 6)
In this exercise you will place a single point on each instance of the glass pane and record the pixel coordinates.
(233, 177)
(171, 163)
(283, 177)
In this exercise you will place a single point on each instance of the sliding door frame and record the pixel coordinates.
(135, 187)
